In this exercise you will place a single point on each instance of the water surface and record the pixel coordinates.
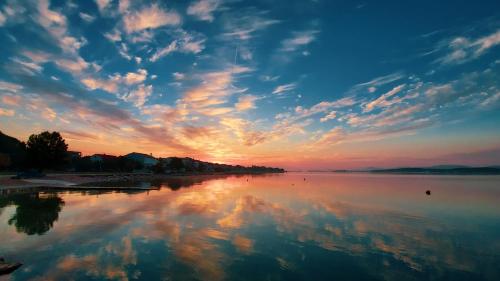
(295, 226)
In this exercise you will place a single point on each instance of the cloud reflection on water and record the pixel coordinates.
(221, 226)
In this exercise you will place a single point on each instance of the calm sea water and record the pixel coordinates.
(296, 226)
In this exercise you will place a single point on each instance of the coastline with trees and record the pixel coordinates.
(47, 152)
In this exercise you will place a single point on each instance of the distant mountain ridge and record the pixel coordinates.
(448, 167)
(442, 170)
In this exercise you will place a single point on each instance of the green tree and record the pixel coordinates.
(12, 152)
(46, 151)
(35, 214)
(176, 164)
(159, 167)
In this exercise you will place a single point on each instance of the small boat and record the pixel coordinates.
(7, 268)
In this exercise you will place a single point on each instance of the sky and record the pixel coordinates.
(296, 84)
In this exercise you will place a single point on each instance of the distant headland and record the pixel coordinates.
(432, 170)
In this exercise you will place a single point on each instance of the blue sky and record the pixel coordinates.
(314, 84)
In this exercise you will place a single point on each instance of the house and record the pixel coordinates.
(101, 157)
(144, 159)
(73, 155)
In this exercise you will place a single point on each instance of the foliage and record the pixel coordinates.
(159, 167)
(34, 214)
(108, 164)
(46, 151)
(12, 152)
(176, 164)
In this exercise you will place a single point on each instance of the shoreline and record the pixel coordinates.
(93, 181)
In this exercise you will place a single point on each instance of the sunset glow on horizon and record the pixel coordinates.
(294, 84)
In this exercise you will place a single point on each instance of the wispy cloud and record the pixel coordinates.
(7, 112)
(113, 36)
(281, 89)
(106, 85)
(329, 116)
(178, 75)
(299, 40)
(491, 100)
(382, 100)
(246, 102)
(150, 17)
(244, 24)
(372, 85)
(102, 4)
(215, 89)
(86, 17)
(3, 19)
(135, 77)
(321, 107)
(204, 9)
(185, 43)
(463, 49)
(140, 95)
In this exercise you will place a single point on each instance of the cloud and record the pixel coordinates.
(90, 110)
(193, 132)
(3, 19)
(281, 89)
(123, 6)
(203, 9)
(102, 4)
(49, 114)
(382, 100)
(56, 25)
(72, 66)
(165, 51)
(7, 112)
(324, 106)
(9, 87)
(113, 83)
(405, 126)
(140, 95)
(245, 23)
(178, 75)
(329, 116)
(151, 17)
(123, 51)
(215, 89)
(462, 49)
(243, 244)
(10, 99)
(113, 36)
(27, 67)
(371, 86)
(298, 40)
(86, 17)
(106, 85)
(333, 136)
(491, 100)
(135, 78)
(246, 102)
(186, 43)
